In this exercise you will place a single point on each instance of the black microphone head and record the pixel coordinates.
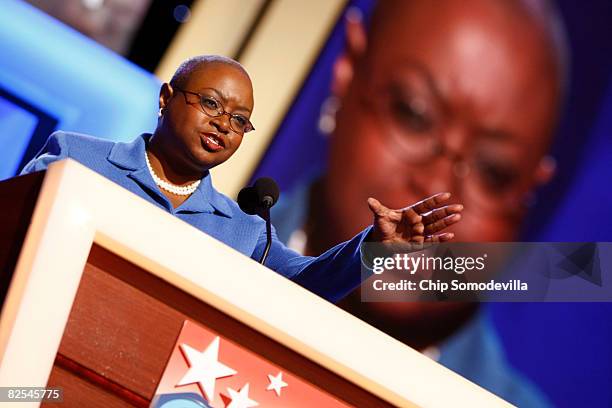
(267, 191)
(248, 200)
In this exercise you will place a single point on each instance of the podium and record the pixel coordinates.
(97, 285)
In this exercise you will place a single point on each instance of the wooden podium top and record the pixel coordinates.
(77, 209)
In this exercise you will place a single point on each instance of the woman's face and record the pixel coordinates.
(193, 138)
(459, 100)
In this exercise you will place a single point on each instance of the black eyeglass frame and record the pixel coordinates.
(220, 111)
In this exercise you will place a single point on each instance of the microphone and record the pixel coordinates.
(267, 191)
(248, 200)
(263, 194)
(258, 199)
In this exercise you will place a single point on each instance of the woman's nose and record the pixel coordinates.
(435, 177)
(221, 123)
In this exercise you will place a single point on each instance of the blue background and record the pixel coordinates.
(65, 76)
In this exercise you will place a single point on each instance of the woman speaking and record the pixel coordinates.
(204, 112)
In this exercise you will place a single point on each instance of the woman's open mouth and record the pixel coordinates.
(212, 142)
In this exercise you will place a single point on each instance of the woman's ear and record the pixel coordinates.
(356, 42)
(165, 93)
(546, 170)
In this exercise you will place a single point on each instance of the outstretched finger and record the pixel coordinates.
(440, 213)
(376, 207)
(431, 203)
(441, 224)
(412, 217)
(418, 228)
(437, 238)
(380, 211)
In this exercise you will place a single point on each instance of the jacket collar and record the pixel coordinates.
(131, 156)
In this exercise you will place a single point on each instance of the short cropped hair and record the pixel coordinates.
(187, 67)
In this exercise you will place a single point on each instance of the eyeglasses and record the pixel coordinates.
(213, 108)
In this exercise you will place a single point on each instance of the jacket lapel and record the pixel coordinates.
(130, 156)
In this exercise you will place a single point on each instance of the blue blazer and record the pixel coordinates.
(332, 275)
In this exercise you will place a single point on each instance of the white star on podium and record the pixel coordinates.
(276, 383)
(204, 368)
(240, 399)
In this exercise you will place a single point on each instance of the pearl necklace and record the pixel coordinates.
(169, 187)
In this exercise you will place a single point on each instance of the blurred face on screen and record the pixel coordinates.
(457, 96)
(443, 96)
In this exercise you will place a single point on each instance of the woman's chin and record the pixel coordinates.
(207, 160)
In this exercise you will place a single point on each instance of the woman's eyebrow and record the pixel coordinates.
(224, 98)
(217, 93)
(424, 74)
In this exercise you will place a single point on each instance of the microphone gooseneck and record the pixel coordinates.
(258, 199)
(266, 217)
